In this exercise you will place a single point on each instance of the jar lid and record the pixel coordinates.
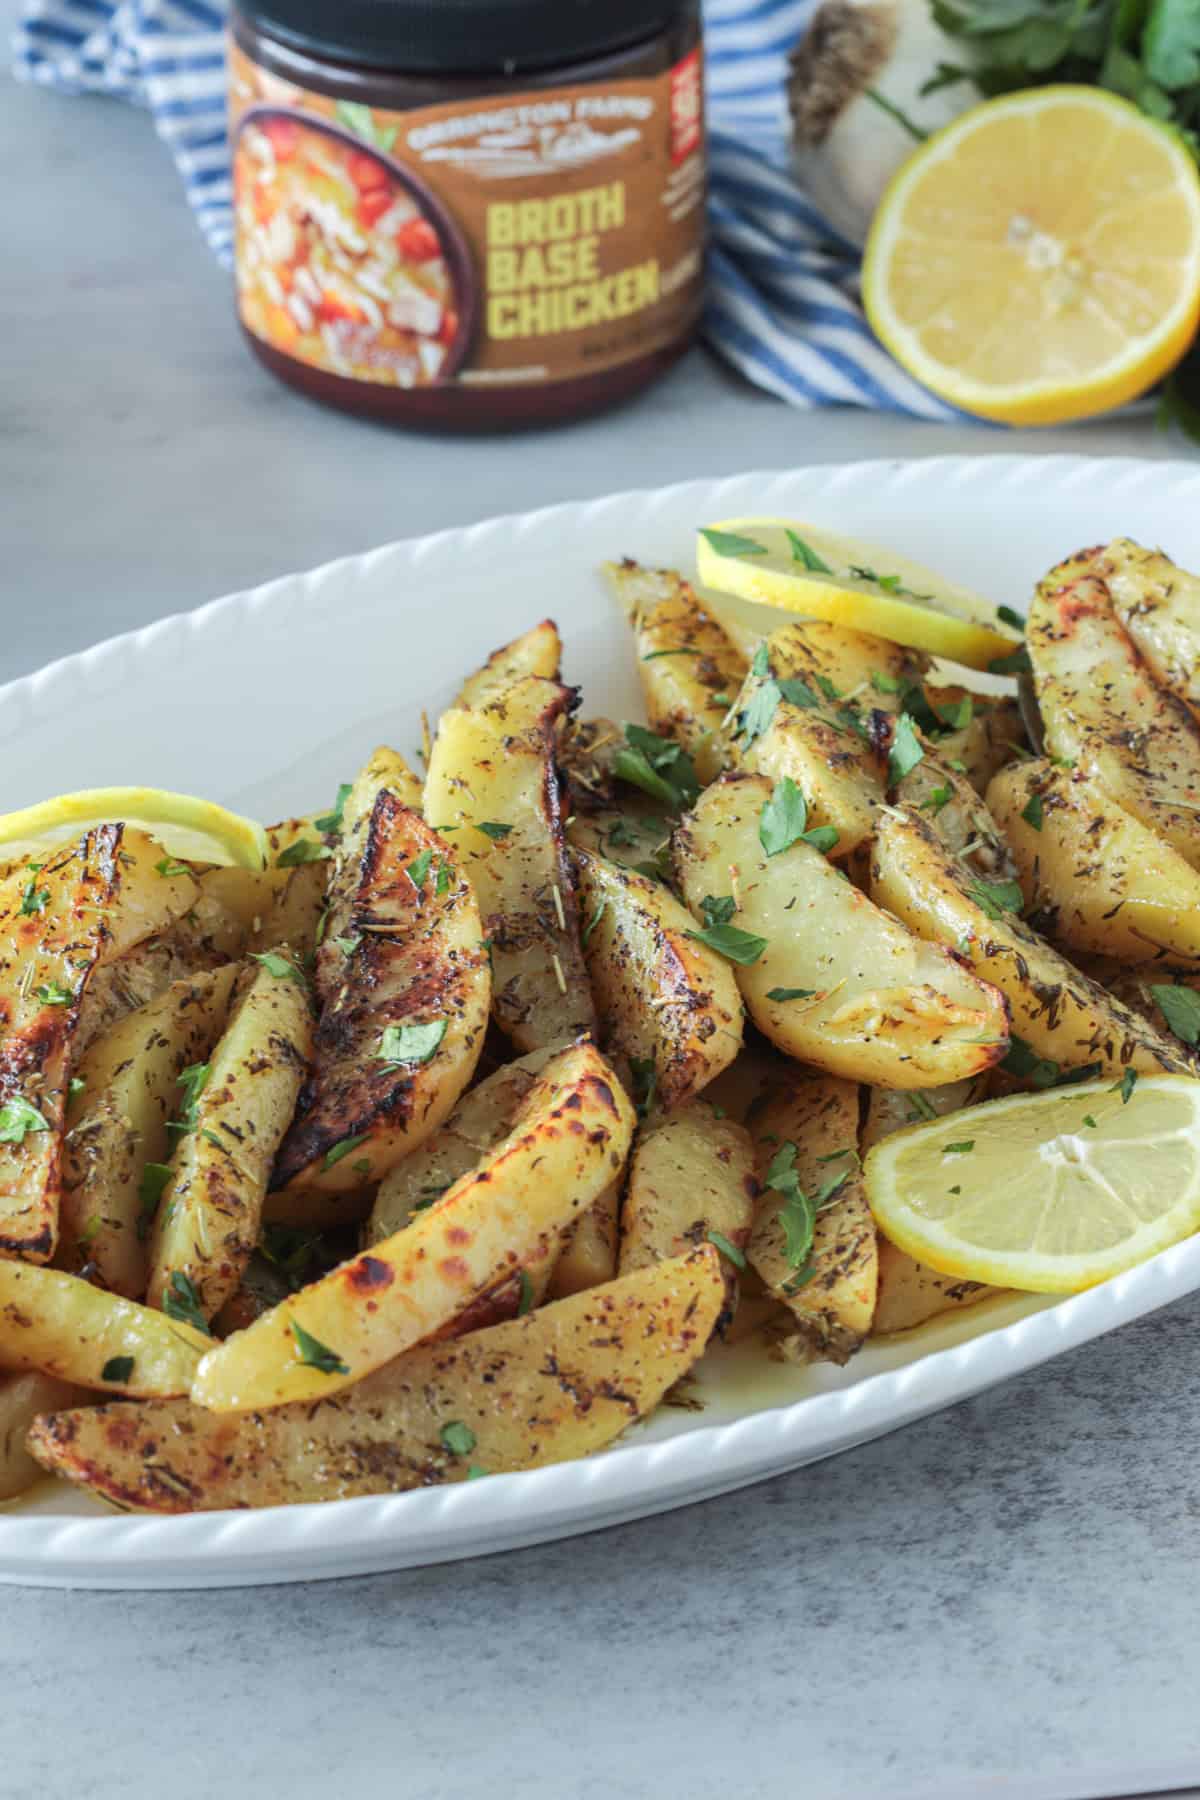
(460, 37)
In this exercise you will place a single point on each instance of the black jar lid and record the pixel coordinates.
(460, 37)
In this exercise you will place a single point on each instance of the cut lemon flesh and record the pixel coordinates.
(820, 575)
(1048, 1192)
(1038, 259)
(197, 830)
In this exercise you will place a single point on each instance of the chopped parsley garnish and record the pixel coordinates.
(959, 715)
(117, 1368)
(348, 945)
(731, 1251)
(1089, 1121)
(1024, 1062)
(781, 993)
(653, 655)
(658, 765)
(332, 821)
(1125, 1086)
(731, 543)
(475, 1472)
(525, 1303)
(279, 966)
(995, 898)
(920, 1107)
(314, 1354)
(645, 1083)
(170, 865)
(891, 584)
(458, 1438)
(17, 1119)
(941, 796)
(798, 1215)
(1033, 811)
(1180, 1007)
(336, 1151)
(33, 898)
(418, 870)
(51, 994)
(411, 1043)
(1008, 617)
(490, 828)
(601, 907)
(291, 1250)
(906, 751)
(442, 884)
(784, 818)
(76, 1085)
(963, 1148)
(182, 1302)
(192, 1082)
(304, 850)
(155, 1177)
(883, 683)
(805, 554)
(730, 941)
(1015, 663)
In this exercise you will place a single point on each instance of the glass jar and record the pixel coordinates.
(468, 213)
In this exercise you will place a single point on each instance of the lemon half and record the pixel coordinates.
(197, 830)
(820, 575)
(1038, 259)
(1049, 1192)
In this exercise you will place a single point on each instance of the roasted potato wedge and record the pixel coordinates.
(956, 812)
(691, 1181)
(22, 1398)
(1158, 603)
(210, 1214)
(1134, 985)
(909, 1291)
(293, 911)
(992, 737)
(837, 983)
(568, 1142)
(413, 965)
(491, 782)
(561, 1383)
(117, 1124)
(689, 668)
(1057, 1011)
(589, 1248)
(663, 997)
(1105, 714)
(66, 1327)
(537, 651)
(1096, 878)
(829, 1287)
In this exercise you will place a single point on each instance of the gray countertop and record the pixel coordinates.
(1005, 1595)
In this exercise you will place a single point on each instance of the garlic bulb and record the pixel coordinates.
(859, 65)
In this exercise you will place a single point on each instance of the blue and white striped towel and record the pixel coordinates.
(783, 286)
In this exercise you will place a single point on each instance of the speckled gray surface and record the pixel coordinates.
(1003, 1599)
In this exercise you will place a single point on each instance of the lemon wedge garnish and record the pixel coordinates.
(196, 830)
(1038, 259)
(1049, 1192)
(820, 575)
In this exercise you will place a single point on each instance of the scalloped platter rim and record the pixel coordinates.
(257, 665)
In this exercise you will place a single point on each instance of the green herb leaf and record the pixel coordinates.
(155, 1177)
(191, 1081)
(653, 655)
(51, 994)
(963, 1148)
(755, 718)
(314, 1354)
(731, 543)
(182, 1302)
(117, 1368)
(1015, 663)
(645, 1084)
(332, 821)
(291, 1249)
(906, 751)
(1007, 616)
(17, 1119)
(1023, 1061)
(1125, 1086)
(279, 966)
(348, 945)
(731, 1251)
(598, 914)
(822, 837)
(76, 1085)
(525, 1303)
(303, 850)
(169, 866)
(475, 1472)
(1089, 1121)
(490, 828)
(657, 765)
(941, 796)
(883, 683)
(920, 1106)
(781, 994)
(33, 898)
(336, 1151)
(418, 870)
(458, 1438)
(995, 898)
(783, 817)
(411, 1043)
(804, 553)
(1179, 1006)
(1033, 812)
(797, 1217)
(797, 692)
(730, 941)
(958, 716)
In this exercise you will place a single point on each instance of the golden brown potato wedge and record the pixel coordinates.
(810, 1179)
(1097, 880)
(691, 1181)
(689, 668)
(589, 1248)
(1134, 984)
(1055, 1009)
(117, 1125)
(909, 1291)
(537, 651)
(992, 737)
(1158, 603)
(400, 1032)
(663, 998)
(492, 783)
(293, 911)
(66, 1327)
(1106, 715)
(956, 812)
(568, 1142)
(561, 1383)
(835, 982)
(210, 1213)
(22, 1398)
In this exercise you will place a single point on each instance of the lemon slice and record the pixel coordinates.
(197, 830)
(819, 575)
(1048, 1192)
(1039, 258)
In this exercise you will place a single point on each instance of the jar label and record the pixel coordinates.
(498, 242)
